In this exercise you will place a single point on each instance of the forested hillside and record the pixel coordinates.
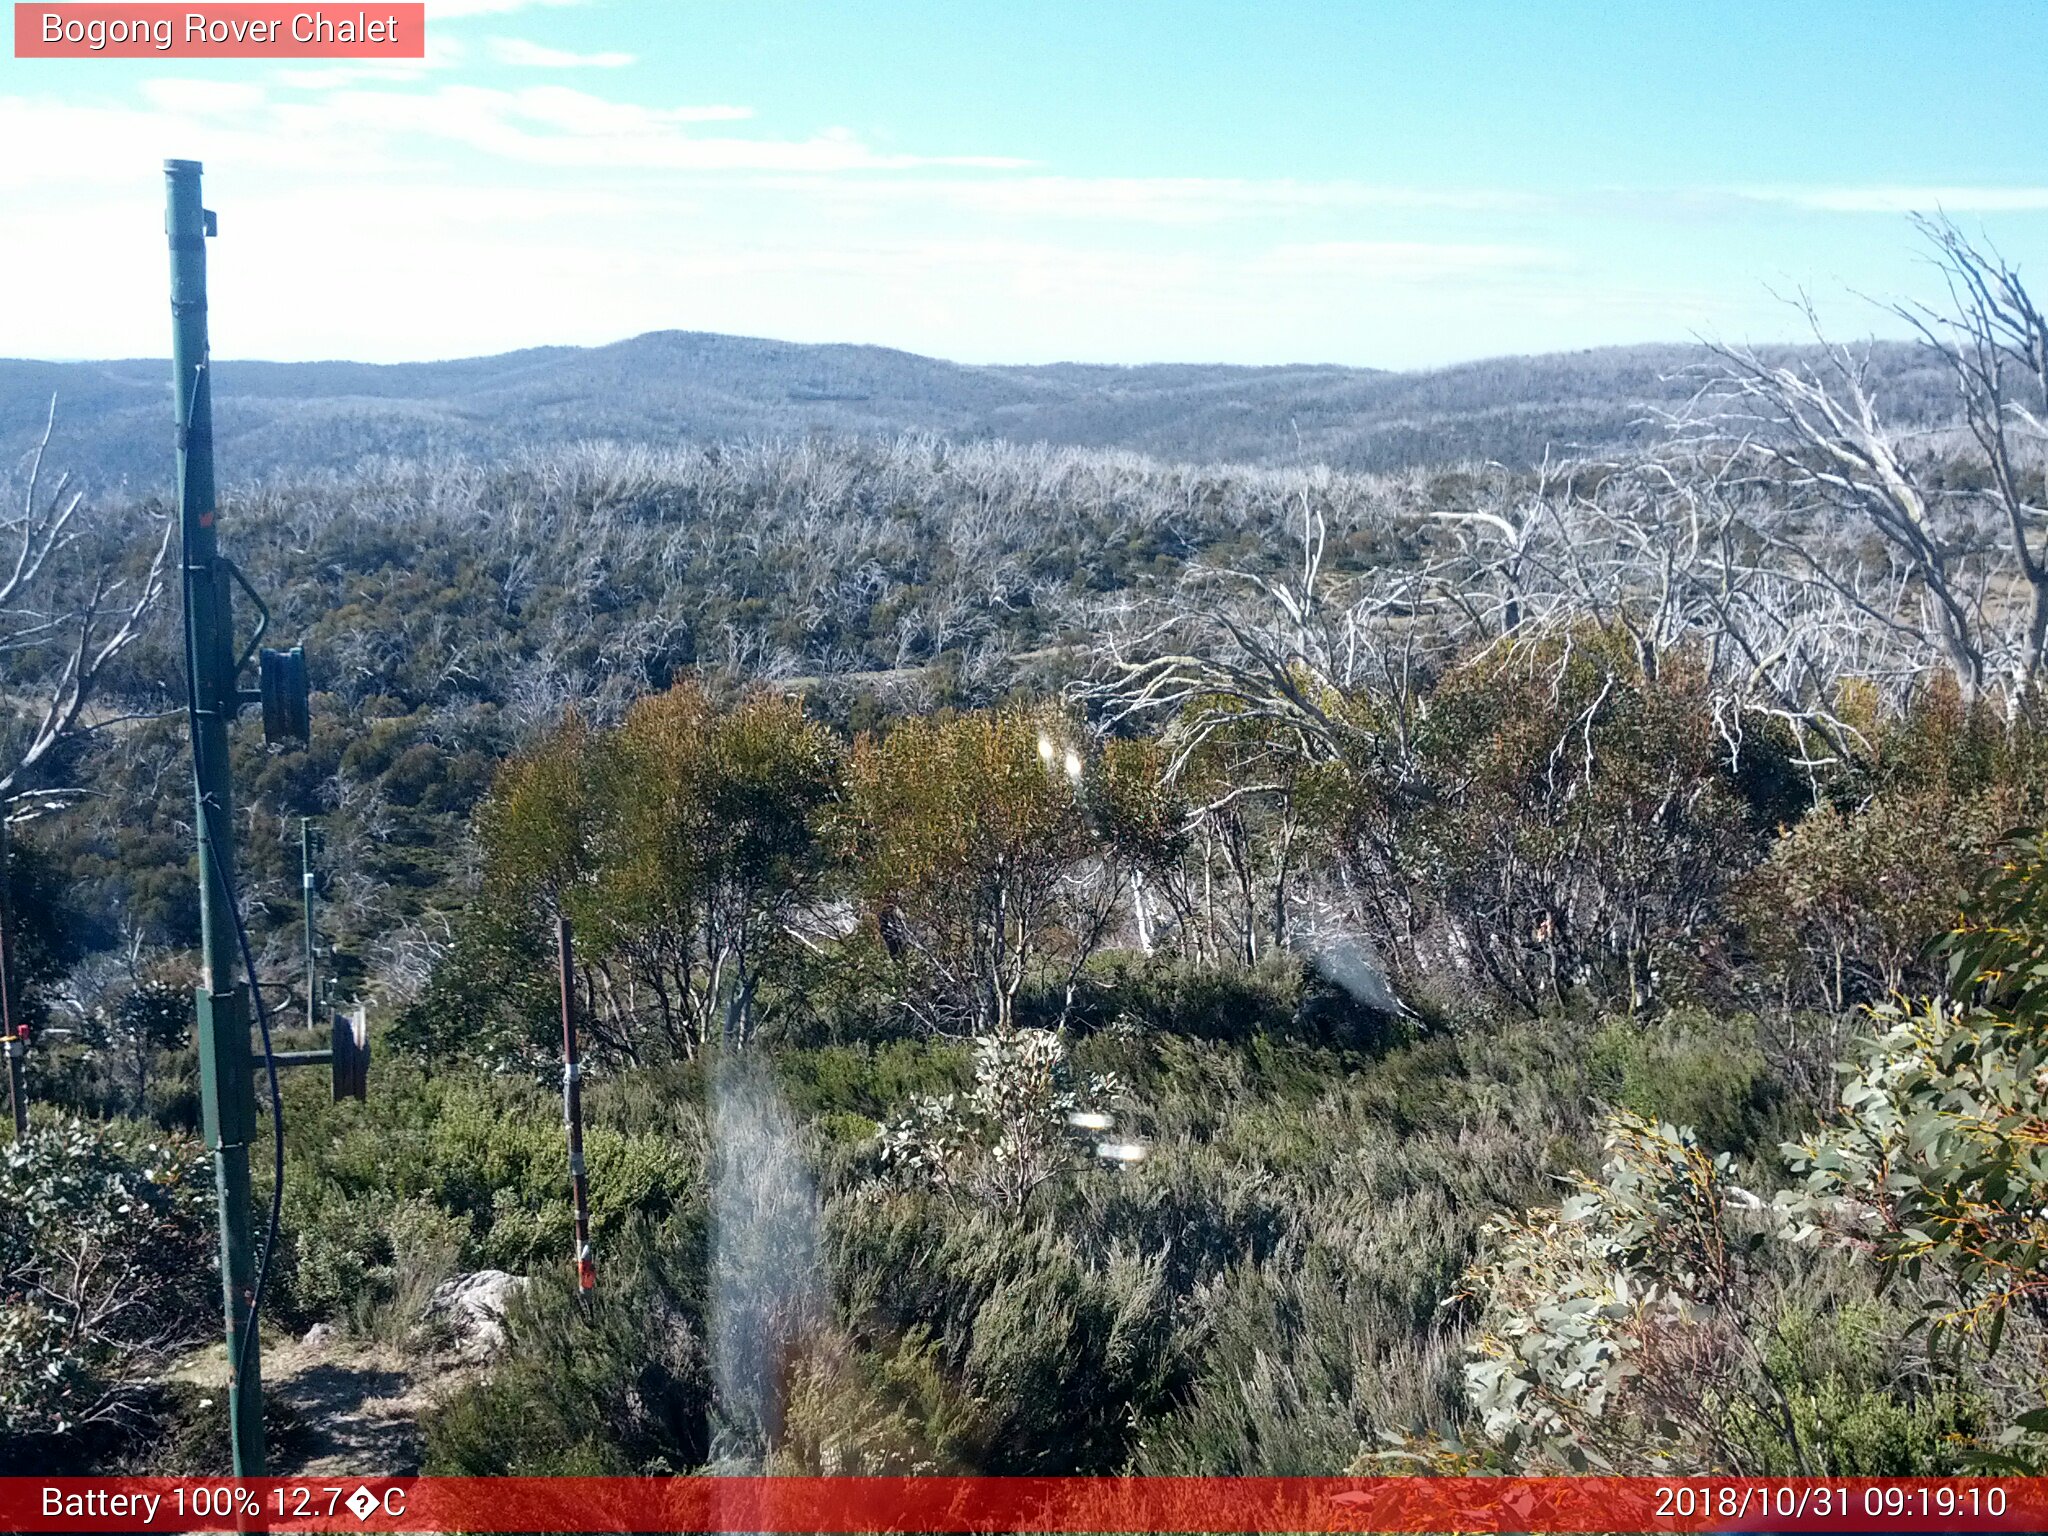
(674, 387)
(1092, 963)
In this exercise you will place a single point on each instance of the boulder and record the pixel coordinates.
(472, 1308)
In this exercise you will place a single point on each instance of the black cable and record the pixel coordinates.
(254, 1322)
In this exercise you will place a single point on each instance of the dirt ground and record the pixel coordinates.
(357, 1404)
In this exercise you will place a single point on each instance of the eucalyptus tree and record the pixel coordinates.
(712, 843)
(685, 843)
(970, 844)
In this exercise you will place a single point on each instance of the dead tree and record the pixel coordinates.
(1995, 344)
(1818, 436)
(1965, 563)
(68, 608)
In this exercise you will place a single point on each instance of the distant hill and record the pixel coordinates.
(113, 419)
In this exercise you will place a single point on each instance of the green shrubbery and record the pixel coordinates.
(616, 1384)
(1843, 910)
(1610, 869)
(1879, 1315)
(1308, 1270)
(1261, 1293)
(1695, 1069)
(1663, 1319)
(1265, 1293)
(104, 1270)
(460, 1170)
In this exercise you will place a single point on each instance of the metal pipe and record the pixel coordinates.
(572, 1104)
(227, 1087)
(306, 891)
(16, 1034)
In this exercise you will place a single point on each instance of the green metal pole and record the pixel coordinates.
(306, 891)
(227, 1089)
(17, 1034)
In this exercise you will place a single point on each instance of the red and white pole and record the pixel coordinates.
(572, 1106)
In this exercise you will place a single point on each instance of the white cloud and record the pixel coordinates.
(1407, 260)
(341, 120)
(1183, 200)
(443, 52)
(581, 113)
(521, 54)
(454, 10)
(482, 217)
(1903, 199)
(559, 126)
(439, 265)
(205, 96)
(119, 147)
(540, 126)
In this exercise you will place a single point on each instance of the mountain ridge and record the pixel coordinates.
(113, 416)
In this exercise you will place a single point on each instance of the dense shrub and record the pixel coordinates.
(103, 1269)
(1844, 909)
(1551, 829)
(1931, 1162)
(1560, 824)
(871, 1081)
(1694, 1069)
(455, 1171)
(1010, 1130)
(939, 950)
(969, 844)
(616, 1384)
(47, 934)
(1058, 1349)
(1165, 993)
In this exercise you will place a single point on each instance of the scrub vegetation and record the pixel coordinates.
(1211, 969)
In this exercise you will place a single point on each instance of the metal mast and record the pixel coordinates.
(306, 891)
(214, 696)
(227, 1090)
(17, 1034)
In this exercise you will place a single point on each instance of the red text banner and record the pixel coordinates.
(802, 1506)
(215, 31)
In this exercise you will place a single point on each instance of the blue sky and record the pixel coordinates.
(1381, 183)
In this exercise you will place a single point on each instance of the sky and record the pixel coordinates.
(1375, 182)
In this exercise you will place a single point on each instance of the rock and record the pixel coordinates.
(472, 1307)
(319, 1336)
